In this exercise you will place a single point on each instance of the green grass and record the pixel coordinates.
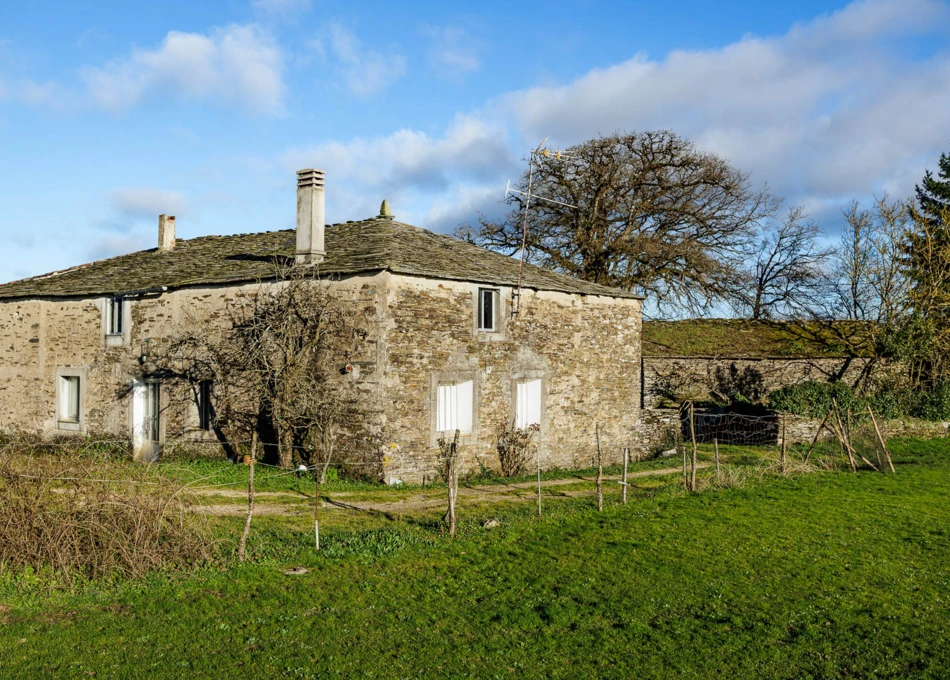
(828, 575)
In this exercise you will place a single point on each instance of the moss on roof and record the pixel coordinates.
(740, 338)
(352, 248)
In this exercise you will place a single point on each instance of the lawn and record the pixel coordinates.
(825, 575)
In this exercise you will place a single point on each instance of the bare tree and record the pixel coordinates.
(645, 212)
(785, 276)
(277, 366)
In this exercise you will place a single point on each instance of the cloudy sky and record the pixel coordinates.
(111, 113)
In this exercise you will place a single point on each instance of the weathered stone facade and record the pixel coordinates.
(585, 348)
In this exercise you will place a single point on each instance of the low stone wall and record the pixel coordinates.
(668, 380)
(657, 428)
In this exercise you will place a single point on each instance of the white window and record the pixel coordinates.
(203, 396)
(528, 403)
(153, 411)
(455, 407)
(488, 309)
(114, 316)
(69, 403)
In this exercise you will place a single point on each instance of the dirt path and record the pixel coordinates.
(418, 501)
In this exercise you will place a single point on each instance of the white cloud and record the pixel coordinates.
(364, 71)
(831, 109)
(410, 168)
(454, 53)
(235, 65)
(146, 202)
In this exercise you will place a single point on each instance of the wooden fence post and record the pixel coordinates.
(453, 480)
(242, 544)
(600, 471)
(716, 450)
(784, 445)
(692, 435)
(626, 460)
(538, 456)
(880, 439)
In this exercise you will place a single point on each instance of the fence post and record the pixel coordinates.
(626, 460)
(538, 456)
(782, 458)
(880, 439)
(242, 544)
(600, 471)
(716, 449)
(453, 481)
(692, 435)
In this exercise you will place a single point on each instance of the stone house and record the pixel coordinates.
(450, 344)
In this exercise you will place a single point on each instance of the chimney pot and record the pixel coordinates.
(311, 220)
(166, 232)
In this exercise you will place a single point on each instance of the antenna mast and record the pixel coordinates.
(538, 151)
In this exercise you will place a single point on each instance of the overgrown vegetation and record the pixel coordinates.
(70, 517)
(513, 448)
(826, 575)
(814, 399)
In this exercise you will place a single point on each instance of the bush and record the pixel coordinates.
(812, 399)
(513, 445)
(59, 516)
(934, 404)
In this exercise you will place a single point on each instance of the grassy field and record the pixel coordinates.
(825, 575)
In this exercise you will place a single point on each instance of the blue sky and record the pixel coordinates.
(111, 113)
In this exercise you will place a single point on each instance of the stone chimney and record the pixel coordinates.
(310, 216)
(166, 232)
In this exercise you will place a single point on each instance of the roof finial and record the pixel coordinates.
(384, 212)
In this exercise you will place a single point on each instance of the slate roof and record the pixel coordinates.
(352, 247)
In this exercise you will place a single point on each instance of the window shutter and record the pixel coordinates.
(465, 394)
(528, 404)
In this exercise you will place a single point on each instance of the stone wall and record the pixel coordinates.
(585, 349)
(669, 380)
(40, 339)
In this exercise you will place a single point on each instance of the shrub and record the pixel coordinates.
(934, 404)
(812, 399)
(58, 515)
(513, 445)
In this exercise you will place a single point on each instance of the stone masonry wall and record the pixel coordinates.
(670, 380)
(586, 349)
(40, 337)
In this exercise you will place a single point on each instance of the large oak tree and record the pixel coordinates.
(646, 212)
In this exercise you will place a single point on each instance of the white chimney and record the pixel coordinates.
(310, 216)
(166, 232)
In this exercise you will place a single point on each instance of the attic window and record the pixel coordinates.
(488, 309)
(114, 316)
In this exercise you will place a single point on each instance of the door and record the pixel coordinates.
(146, 420)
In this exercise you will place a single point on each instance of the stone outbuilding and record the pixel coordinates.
(450, 345)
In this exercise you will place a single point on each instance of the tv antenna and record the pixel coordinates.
(536, 156)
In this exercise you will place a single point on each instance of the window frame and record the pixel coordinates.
(499, 297)
(64, 378)
(446, 378)
(518, 405)
(205, 420)
(523, 376)
(153, 410)
(116, 308)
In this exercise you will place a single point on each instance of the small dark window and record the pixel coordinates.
(114, 316)
(487, 309)
(204, 405)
